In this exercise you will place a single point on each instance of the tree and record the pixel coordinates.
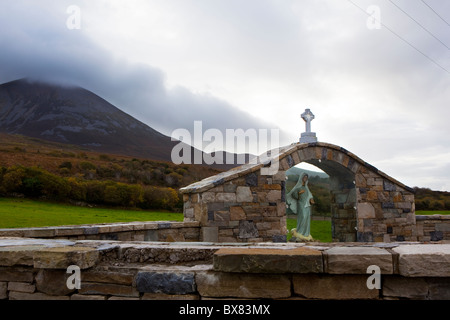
(12, 179)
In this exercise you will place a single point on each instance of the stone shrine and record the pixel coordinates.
(244, 205)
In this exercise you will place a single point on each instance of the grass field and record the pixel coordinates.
(320, 229)
(23, 213)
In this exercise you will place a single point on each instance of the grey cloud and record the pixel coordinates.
(41, 47)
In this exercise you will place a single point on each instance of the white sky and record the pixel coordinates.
(257, 64)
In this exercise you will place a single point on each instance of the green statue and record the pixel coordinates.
(299, 200)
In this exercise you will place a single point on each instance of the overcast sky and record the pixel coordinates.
(377, 80)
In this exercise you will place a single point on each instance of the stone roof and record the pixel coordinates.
(283, 152)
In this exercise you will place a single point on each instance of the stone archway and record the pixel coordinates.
(244, 205)
(342, 199)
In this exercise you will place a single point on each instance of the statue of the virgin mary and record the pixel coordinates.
(299, 200)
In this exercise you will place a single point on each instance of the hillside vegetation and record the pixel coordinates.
(39, 169)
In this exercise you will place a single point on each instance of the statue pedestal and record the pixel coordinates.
(308, 137)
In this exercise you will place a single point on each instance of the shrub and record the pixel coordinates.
(78, 189)
(105, 157)
(32, 187)
(66, 164)
(159, 198)
(95, 191)
(54, 186)
(86, 166)
(123, 194)
(12, 179)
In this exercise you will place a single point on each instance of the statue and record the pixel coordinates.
(299, 200)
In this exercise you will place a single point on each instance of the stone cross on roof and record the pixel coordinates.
(308, 136)
(308, 116)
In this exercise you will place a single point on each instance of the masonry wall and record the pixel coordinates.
(36, 269)
(127, 231)
(433, 227)
(247, 209)
(428, 228)
(244, 205)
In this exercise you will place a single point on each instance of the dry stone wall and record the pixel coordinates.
(125, 231)
(36, 269)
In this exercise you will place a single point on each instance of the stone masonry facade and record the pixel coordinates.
(243, 205)
(36, 269)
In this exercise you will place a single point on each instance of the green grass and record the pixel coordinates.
(24, 213)
(320, 229)
(431, 212)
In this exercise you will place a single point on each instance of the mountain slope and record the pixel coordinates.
(77, 116)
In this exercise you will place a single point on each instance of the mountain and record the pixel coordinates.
(76, 116)
(294, 172)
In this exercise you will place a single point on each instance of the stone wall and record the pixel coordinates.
(433, 228)
(244, 205)
(126, 231)
(247, 209)
(113, 270)
(429, 228)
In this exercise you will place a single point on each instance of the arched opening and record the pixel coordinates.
(341, 200)
(319, 185)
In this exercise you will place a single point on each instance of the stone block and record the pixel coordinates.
(372, 195)
(237, 213)
(208, 197)
(242, 286)
(356, 260)
(225, 197)
(123, 298)
(53, 282)
(21, 287)
(39, 233)
(189, 213)
(424, 260)
(407, 288)
(222, 216)
(256, 260)
(444, 227)
(3, 290)
(388, 186)
(365, 210)
(107, 289)
(162, 296)
(230, 187)
(14, 295)
(251, 180)
(333, 287)
(16, 274)
(439, 288)
(62, 257)
(274, 196)
(18, 255)
(247, 229)
(244, 194)
(105, 276)
(68, 231)
(87, 297)
(165, 282)
(210, 234)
